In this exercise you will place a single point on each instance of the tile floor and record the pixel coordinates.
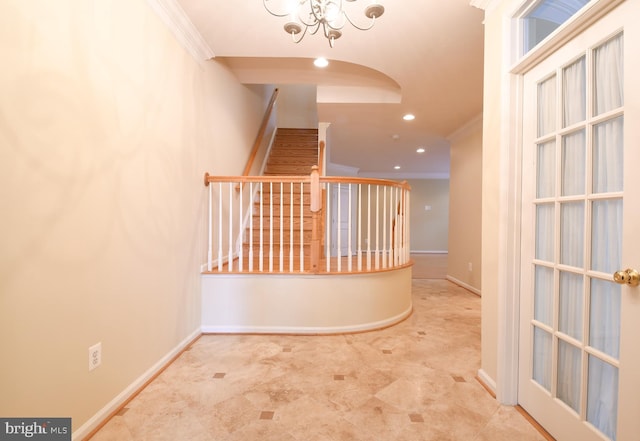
(410, 382)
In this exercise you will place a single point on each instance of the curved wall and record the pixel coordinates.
(305, 304)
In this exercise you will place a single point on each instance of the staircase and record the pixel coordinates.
(293, 153)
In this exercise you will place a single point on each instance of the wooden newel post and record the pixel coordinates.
(316, 206)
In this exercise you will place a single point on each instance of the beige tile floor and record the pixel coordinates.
(413, 381)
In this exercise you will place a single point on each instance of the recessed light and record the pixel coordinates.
(397, 167)
(420, 150)
(321, 62)
(409, 117)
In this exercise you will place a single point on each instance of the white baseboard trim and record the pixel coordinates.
(103, 414)
(429, 252)
(464, 285)
(214, 264)
(244, 329)
(487, 381)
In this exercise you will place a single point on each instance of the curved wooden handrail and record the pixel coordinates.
(259, 138)
(321, 153)
(305, 178)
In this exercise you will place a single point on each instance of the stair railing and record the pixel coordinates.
(366, 224)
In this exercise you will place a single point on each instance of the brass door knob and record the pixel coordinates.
(629, 277)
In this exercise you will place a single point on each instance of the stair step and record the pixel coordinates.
(286, 234)
(287, 170)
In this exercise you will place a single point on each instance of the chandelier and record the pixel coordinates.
(328, 15)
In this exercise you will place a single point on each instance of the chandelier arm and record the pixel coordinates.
(373, 21)
(275, 14)
(293, 36)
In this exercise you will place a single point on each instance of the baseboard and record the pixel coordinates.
(104, 414)
(429, 252)
(486, 381)
(464, 285)
(214, 264)
(308, 330)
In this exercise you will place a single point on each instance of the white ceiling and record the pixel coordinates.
(422, 56)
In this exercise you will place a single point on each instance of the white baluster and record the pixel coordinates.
(329, 227)
(281, 227)
(301, 226)
(377, 227)
(210, 235)
(349, 251)
(339, 229)
(291, 229)
(240, 220)
(251, 227)
(261, 250)
(271, 227)
(219, 226)
(359, 245)
(230, 238)
(384, 227)
(368, 227)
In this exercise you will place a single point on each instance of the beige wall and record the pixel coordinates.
(297, 107)
(429, 228)
(107, 126)
(465, 208)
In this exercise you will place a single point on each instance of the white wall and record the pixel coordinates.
(297, 107)
(465, 209)
(429, 228)
(107, 126)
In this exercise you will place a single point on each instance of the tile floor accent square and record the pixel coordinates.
(422, 333)
(387, 351)
(266, 415)
(338, 377)
(286, 349)
(416, 418)
(459, 379)
(219, 375)
(122, 411)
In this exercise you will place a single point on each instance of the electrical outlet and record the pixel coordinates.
(95, 356)
(470, 267)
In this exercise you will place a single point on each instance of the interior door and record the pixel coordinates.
(579, 363)
(343, 219)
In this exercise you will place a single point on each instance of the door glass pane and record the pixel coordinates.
(547, 106)
(572, 234)
(542, 358)
(546, 177)
(573, 163)
(604, 324)
(608, 156)
(569, 374)
(545, 18)
(543, 295)
(574, 93)
(606, 235)
(602, 396)
(544, 232)
(608, 76)
(570, 308)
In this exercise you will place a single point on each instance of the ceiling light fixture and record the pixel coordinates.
(397, 167)
(311, 15)
(420, 150)
(409, 117)
(321, 62)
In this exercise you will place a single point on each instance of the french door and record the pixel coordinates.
(579, 362)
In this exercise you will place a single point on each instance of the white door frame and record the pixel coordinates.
(513, 69)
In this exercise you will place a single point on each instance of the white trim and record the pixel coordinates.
(307, 329)
(397, 176)
(591, 13)
(486, 5)
(473, 124)
(334, 169)
(104, 413)
(487, 380)
(182, 28)
(214, 264)
(464, 285)
(429, 252)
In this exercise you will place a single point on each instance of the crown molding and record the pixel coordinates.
(182, 28)
(473, 124)
(400, 176)
(485, 5)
